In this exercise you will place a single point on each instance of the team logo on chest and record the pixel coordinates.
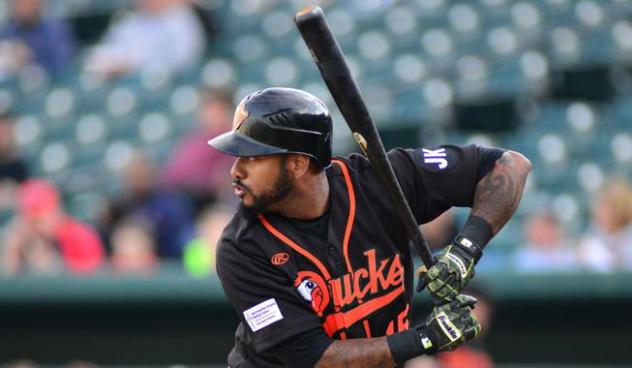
(313, 289)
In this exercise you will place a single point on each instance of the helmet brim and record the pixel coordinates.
(236, 144)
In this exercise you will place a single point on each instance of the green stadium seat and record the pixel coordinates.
(154, 128)
(218, 73)
(28, 134)
(281, 71)
(249, 48)
(54, 158)
(121, 102)
(90, 130)
(118, 155)
(409, 69)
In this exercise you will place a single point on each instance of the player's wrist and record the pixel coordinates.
(467, 249)
(479, 232)
(405, 345)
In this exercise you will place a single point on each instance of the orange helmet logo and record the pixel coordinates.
(240, 115)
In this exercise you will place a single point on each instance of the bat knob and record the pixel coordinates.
(307, 13)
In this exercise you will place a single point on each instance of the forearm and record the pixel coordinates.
(362, 353)
(498, 193)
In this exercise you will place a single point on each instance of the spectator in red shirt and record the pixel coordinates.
(42, 238)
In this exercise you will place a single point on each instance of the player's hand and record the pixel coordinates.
(454, 268)
(446, 327)
(449, 325)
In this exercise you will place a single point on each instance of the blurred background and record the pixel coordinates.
(111, 202)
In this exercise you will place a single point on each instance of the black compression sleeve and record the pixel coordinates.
(304, 350)
(487, 157)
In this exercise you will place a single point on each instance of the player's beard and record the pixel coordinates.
(281, 189)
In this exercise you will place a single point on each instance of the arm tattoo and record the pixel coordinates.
(360, 353)
(498, 193)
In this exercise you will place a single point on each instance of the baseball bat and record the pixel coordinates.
(333, 67)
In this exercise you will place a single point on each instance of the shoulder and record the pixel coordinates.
(241, 239)
(353, 162)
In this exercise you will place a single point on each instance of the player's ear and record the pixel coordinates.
(297, 165)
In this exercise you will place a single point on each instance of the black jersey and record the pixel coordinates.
(357, 281)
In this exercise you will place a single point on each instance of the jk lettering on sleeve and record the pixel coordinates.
(263, 314)
(437, 159)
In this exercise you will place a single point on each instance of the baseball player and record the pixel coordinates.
(315, 263)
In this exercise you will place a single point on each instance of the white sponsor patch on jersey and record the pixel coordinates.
(263, 314)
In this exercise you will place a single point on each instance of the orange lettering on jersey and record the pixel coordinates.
(342, 320)
(402, 319)
(349, 288)
(390, 329)
(359, 287)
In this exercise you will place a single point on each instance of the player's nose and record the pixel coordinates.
(237, 170)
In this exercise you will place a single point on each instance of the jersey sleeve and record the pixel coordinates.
(266, 301)
(305, 350)
(435, 179)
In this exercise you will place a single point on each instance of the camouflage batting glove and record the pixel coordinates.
(452, 271)
(446, 327)
(449, 325)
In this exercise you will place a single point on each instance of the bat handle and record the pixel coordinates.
(421, 281)
(427, 258)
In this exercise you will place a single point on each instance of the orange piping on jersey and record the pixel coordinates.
(367, 327)
(295, 246)
(342, 320)
(352, 207)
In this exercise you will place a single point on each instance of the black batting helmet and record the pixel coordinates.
(279, 120)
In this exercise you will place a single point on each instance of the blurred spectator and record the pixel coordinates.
(607, 245)
(157, 33)
(423, 362)
(13, 169)
(42, 238)
(546, 248)
(133, 248)
(473, 352)
(199, 254)
(22, 363)
(30, 37)
(168, 213)
(195, 170)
